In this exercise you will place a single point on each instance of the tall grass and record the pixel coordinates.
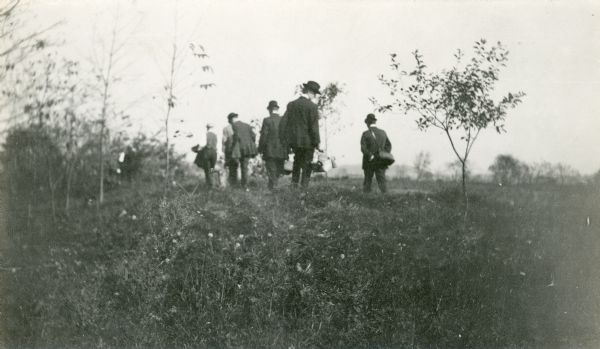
(332, 268)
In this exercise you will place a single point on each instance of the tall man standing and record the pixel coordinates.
(300, 131)
(269, 144)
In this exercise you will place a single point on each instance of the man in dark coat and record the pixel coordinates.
(240, 148)
(371, 142)
(300, 131)
(269, 145)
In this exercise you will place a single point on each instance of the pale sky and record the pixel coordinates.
(260, 50)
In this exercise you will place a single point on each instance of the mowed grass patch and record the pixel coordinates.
(330, 267)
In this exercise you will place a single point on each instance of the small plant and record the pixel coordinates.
(459, 101)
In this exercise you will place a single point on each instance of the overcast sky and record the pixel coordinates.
(260, 50)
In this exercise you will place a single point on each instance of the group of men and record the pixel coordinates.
(297, 132)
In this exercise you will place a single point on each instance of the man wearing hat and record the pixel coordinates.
(300, 132)
(372, 141)
(239, 146)
(206, 157)
(269, 144)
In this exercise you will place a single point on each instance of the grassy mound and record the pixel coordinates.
(330, 268)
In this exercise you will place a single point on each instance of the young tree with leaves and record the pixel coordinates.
(328, 103)
(458, 101)
(175, 82)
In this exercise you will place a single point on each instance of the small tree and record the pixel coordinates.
(328, 104)
(457, 101)
(422, 166)
(176, 59)
(567, 174)
(174, 85)
(543, 173)
(108, 68)
(506, 170)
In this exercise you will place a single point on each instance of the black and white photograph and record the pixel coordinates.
(296, 174)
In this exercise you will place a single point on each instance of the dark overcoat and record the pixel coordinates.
(300, 127)
(244, 139)
(269, 144)
(371, 142)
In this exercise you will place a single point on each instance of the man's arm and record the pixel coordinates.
(313, 129)
(364, 146)
(264, 133)
(252, 134)
(388, 144)
(226, 135)
(283, 128)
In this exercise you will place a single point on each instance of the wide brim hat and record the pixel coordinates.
(312, 86)
(273, 105)
(231, 116)
(370, 119)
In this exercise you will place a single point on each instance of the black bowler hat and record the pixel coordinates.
(231, 116)
(273, 105)
(312, 86)
(371, 119)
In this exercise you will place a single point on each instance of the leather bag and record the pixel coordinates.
(382, 158)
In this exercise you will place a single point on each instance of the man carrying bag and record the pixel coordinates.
(376, 148)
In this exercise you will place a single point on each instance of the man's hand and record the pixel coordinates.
(371, 157)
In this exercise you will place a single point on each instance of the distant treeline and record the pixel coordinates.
(505, 170)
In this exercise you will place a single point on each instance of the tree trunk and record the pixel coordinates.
(464, 178)
(68, 189)
(101, 194)
(170, 105)
(167, 161)
(464, 190)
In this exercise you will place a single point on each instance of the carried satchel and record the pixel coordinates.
(200, 159)
(382, 158)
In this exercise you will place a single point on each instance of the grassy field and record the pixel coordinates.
(330, 268)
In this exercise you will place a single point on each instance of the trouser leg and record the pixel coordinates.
(381, 180)
(368, 179)
(307, 166)
(208, 177)
(297, 167)
(244, 166)
(232, 168)
(280, 164)
(272, 172)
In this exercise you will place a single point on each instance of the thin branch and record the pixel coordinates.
(473, 141)
(452, 144)
(27, 38)
(8, 11)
